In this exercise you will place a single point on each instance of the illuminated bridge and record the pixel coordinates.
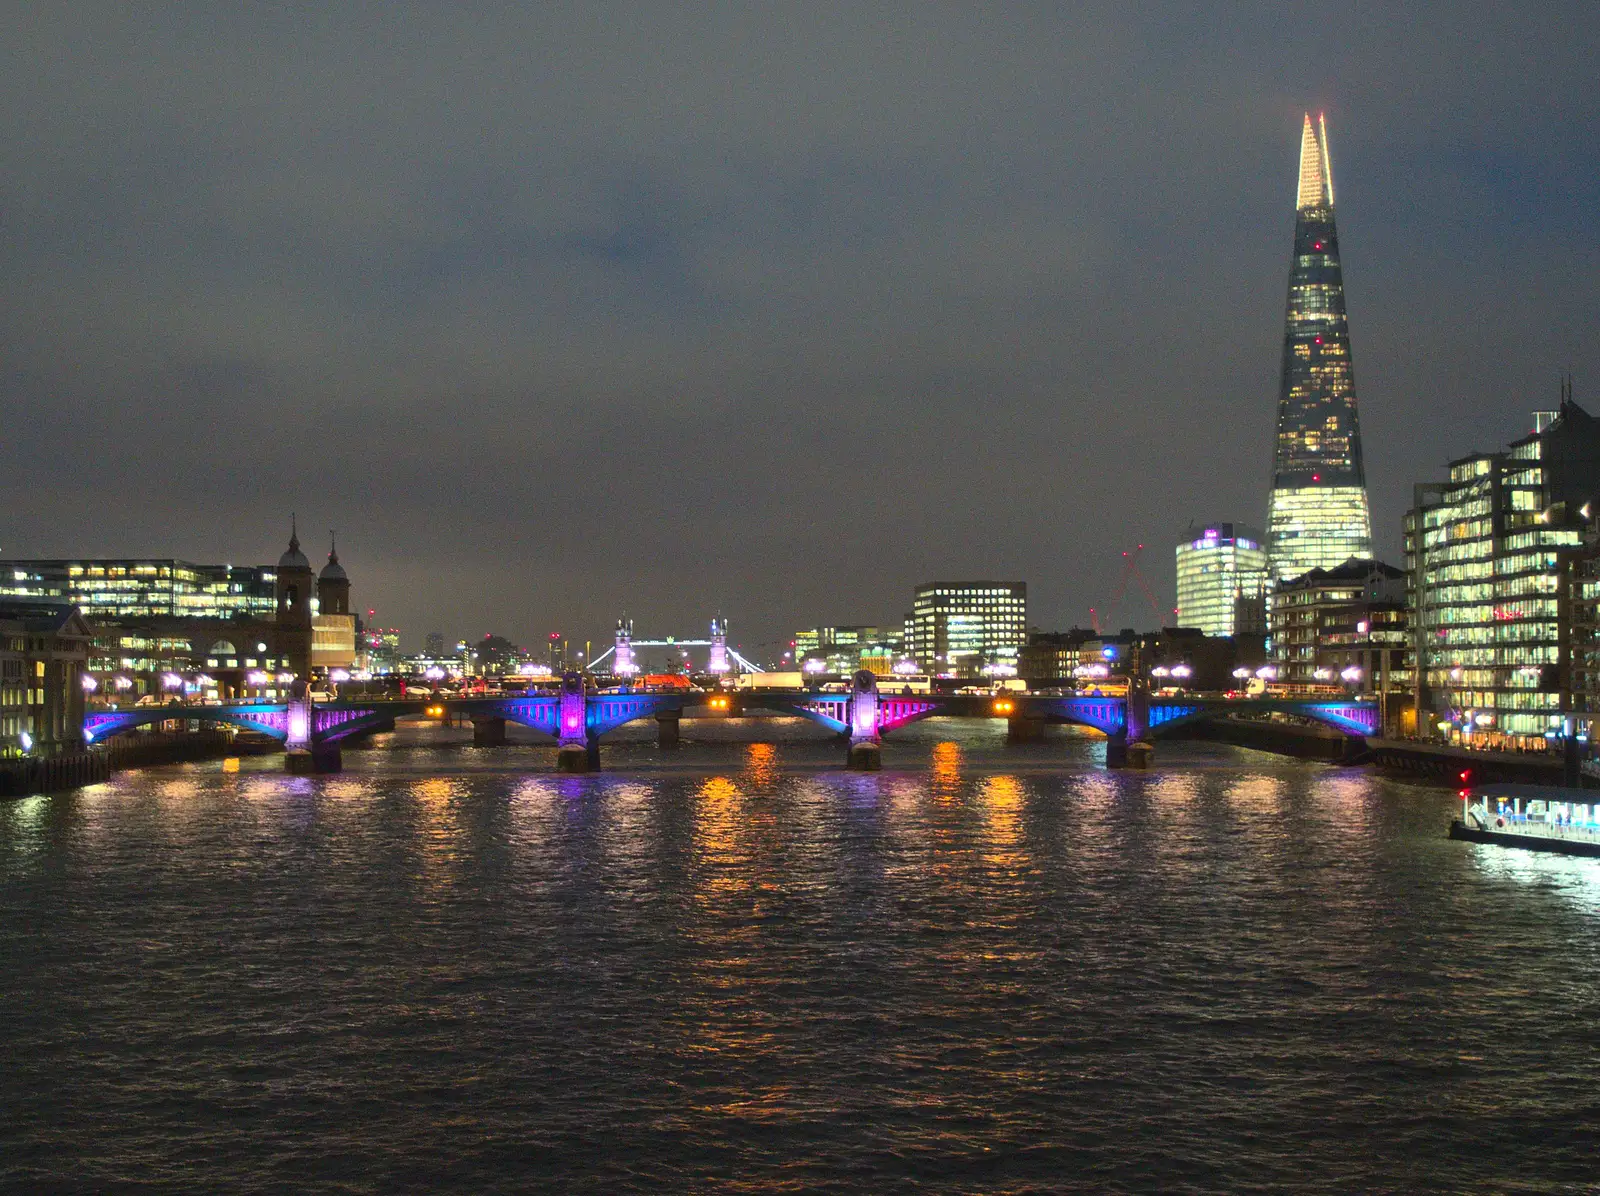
(576, 719)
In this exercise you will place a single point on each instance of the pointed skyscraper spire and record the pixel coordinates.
(1318, 516)
(1316, 169)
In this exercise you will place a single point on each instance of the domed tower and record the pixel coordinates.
(333, 584)
(293, 590)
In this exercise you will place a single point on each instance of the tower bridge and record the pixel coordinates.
(576, 717)
(720, 660)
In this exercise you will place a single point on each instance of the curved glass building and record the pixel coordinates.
(1318, 516)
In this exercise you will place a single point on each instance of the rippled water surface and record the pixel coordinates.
(735, 967)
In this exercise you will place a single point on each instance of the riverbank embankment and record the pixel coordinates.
(51, 774)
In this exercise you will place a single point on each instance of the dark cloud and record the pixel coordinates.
(560, 311)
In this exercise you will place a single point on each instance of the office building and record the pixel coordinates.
(143, 587)
(1346, 630)
(1318, 516)
(961, 627)
(1490, 558)
(1222, 579)
(44, 652)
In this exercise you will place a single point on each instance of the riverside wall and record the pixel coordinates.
(51, 774)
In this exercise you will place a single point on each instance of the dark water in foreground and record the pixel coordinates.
(735, 968)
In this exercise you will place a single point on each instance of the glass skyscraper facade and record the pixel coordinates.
(141, 588)
(1222, 580)
(1318, 516)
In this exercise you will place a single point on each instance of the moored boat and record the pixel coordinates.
(1533, 817)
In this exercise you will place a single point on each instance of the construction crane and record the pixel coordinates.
(1130, 570)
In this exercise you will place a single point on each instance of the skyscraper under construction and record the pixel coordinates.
(1318, 517)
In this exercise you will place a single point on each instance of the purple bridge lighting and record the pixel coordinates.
(577, 717)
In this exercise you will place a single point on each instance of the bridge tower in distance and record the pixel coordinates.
(719, 646)
(293, 592)
(623, 664)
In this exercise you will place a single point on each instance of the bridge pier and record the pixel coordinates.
(488, 732)
(1116, 751)
(1022, 729)
(580, 747)
(668, 727)
(866, 755)
(866, 752)
(319, 758)
(578, 757)
(1121, 752)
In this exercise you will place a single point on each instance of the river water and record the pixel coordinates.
(736, 967)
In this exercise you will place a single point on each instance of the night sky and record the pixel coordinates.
(557, 312)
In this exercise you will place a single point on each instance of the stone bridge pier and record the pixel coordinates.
(579, 751)
(302, 753)
(866, 745)
(669, 725)
(488, 732)
(1131, 748)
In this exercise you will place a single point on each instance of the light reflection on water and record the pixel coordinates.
(985, 968)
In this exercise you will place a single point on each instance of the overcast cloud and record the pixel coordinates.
(556, 312)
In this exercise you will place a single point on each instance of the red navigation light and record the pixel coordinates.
(1466, 776)
(1316, 477)
(1317, 245)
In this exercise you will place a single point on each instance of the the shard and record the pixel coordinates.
(1318, 517)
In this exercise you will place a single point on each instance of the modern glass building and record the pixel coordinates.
(1489, 553)
(1222, 579)
(140, 588)
(1318, 516)
(958, 627)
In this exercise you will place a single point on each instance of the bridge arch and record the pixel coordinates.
(1357, 720)
(270, 720)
